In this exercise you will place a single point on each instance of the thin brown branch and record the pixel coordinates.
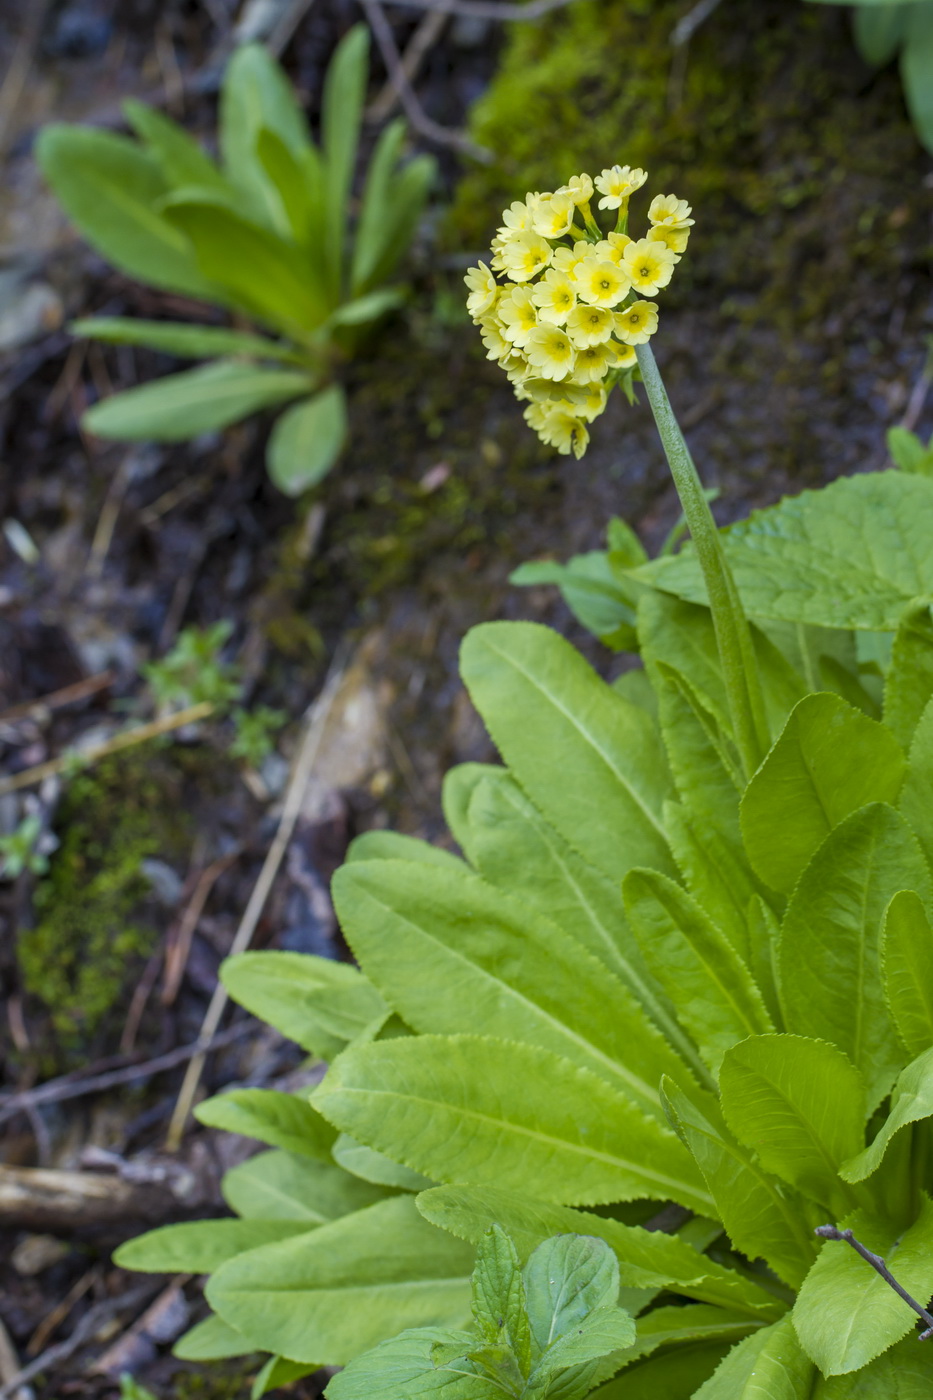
(419, 46)
(486, 9)
(831, 1232)
(58, 699)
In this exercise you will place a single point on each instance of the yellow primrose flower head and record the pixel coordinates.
(561, 305)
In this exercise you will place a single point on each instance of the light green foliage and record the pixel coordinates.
(648, 979)
(194, 671)
(254, 732)
(536, 1332)
(265, 234)
(132, 1390)
(19, 850)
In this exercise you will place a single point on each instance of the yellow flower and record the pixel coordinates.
(624, 355)
(590, 325)
(525, 255)
(554, 296)
(617, 183)
(484, 290)
(550, 352)
(637, 323)
(553, 216)
(497, 347)
(517, 316)
(673, 238)
(592, 401)
(568, 260)
(519, 215)
(579, 187)
(601, 283)
(565, 431)
(670, 211)
(649, 265)
(593, 363)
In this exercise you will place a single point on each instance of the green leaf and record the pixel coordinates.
(589, 760)
(279, 1371)
(494, 1111)
(362, 1161)
(908, 452)
(195, 401)
(674, 1375)
(187, 341)
(594, 1336)
(845, 1314)
(852, 554)
(282, 1186)
(907, 962)
(108, 187)
(800, 1104)
(264, 274)
(452, 954)
(320, 1004)
(769, 1365)
(382, 225)
(307, 440)
(911, 1101)
(367, 308)
(341, 117)
(649, 1260)
(694, 1322)
(200, 1246)
(393, 845)
(879, 31)
(916, 68)
(916, 801)
(343, 1288)
(829, 951)
(592, 591)
(762, 1217)
(904, 1372)
(211, 1340)
(829, 760)
(282, 1120)
(257, 96)
(298, 179)
(179, 157)
(408, 195)
(909, 683)
(498, 1296)
(717, 1001)
(404, 1365)
(567, 1278)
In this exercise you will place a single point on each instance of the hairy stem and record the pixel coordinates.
(830, 1232)
(733, 639)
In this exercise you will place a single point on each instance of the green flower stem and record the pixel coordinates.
(733, 639)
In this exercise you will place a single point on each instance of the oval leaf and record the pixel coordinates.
(307, 440)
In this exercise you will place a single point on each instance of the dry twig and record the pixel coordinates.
(58, 699)
(419, 46)
(485, 9)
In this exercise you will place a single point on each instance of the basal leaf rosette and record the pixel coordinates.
(574, 301)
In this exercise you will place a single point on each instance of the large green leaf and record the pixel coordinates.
(320, 1004)
(673, 1326)
(907, 960)
(498, 1295)
(264, 274)
(178, 155)
(590, 761)
(394, 845)
(307, 440)
(879, 31)
(341, 117)
(649, 1260)
(829, 955)
(200, 1246)
(916, 800)
(762, 1217)
(211, 1340)
(830, 760)
(343, 1288)
(109, 187)
(188, 341)
(717, 1002)
(281, 1120)
(195, 401)
(845, 1314)
(911, 1101)
(299, 181)
(716, 873)
(852, 554)
(769, 1365)
(475, 1109)
(409, 193)
(800, 1104)
(257, 96)
(362, 1161)
(917, 72)
(372, 228)
(567, 1278)
(404, 1366)
(674, 1374)
(280, 1185)
(904, 1372)
(909, 682)
(452, 954)
(515, 848)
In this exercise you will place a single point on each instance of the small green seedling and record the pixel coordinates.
(20, 850)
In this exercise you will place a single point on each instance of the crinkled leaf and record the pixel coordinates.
(200, 1246)
(404, 1365)
(716, 873)
(907, 962)
(911, 1101)
(907, 451)
(356, 1281)
(281, 1120)
(916, 800)
(489, 1111)
(829, 760)
(567, 1278)
(282, 1186)
(909, 682)
(829, 954)
(594, 1336)
(845, 1314)
(318, 1003)
(769, 1365)
(800, 1104)
(590, 761)
(499, 1296)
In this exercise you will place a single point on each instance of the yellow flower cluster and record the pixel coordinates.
(564, 321)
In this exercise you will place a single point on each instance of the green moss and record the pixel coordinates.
(88, 940)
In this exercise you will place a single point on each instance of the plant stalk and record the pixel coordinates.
(733, 639)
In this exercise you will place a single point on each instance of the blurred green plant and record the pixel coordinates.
(20, 851)
(265, 235)
(194, 671)
(254, 730)
(888, 29)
